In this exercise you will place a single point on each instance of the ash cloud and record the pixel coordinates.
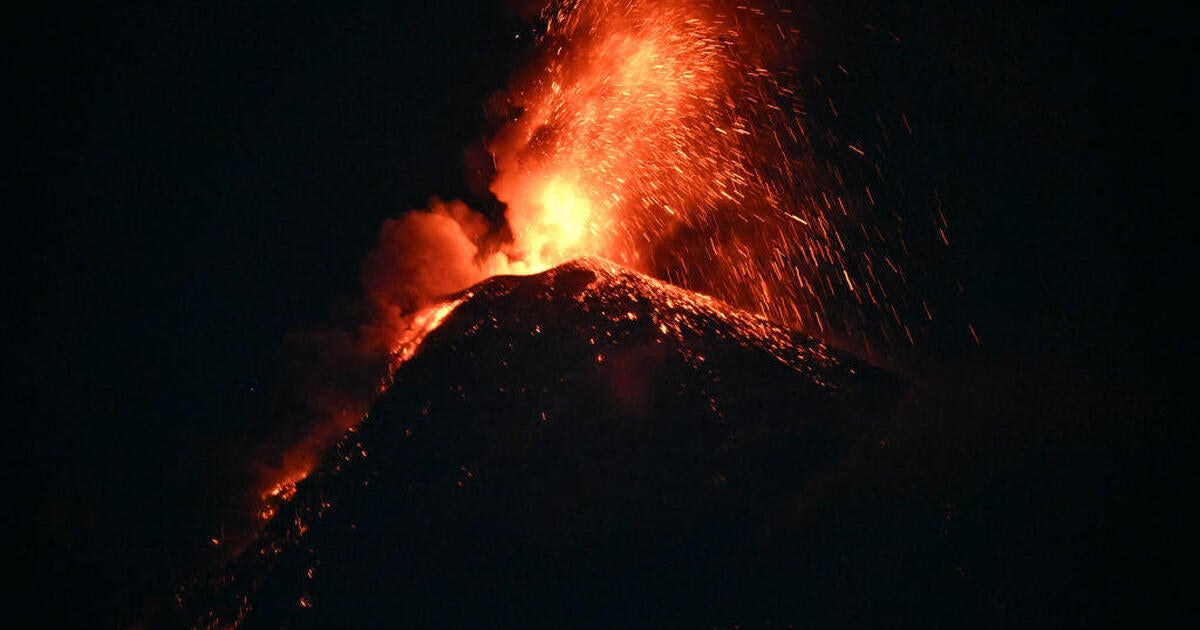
(421, 258)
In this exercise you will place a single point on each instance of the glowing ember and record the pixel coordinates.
(278, 494)
(420, 325)
(669, 136)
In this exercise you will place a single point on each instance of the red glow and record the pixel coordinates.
(668, 136)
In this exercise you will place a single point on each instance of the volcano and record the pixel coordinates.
(591, 447)
(585, 445)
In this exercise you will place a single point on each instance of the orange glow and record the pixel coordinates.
(279, 493)
(606, 131)
(670, 137)
(420, 324)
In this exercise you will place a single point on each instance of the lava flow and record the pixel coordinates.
(668, 136)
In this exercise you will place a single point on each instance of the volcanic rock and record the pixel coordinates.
(586, 447)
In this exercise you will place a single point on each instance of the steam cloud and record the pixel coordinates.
(421, 258)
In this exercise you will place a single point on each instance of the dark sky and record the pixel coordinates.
(198, 180)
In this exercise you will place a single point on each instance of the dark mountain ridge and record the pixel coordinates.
(584, 445)
(590, 447)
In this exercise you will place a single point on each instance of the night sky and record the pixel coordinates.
(196, 181)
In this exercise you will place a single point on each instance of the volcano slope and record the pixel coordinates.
(586, 446)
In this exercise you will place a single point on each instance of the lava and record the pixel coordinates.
(670, 136)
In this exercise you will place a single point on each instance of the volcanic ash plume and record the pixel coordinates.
(422, 257)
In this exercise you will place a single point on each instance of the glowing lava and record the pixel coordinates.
(609, 133)
(670, 136)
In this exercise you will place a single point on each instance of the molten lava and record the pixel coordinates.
(668, 136)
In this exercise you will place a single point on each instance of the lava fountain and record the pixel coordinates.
(669, 136)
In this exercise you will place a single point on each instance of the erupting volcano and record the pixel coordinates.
(648, 390)
(597, 313)
(667, 136)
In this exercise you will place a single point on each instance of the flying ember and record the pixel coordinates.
(670, 136)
